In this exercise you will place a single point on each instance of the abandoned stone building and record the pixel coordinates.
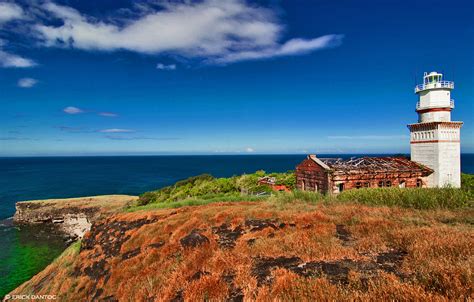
(434, 149)
(334, 175)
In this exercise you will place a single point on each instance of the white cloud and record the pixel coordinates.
(27, 82)
(108, 114)
(73, 110)
(218, 31)
(10, 11)
(292, 47)
(12, 60)
(249, 150)
(116, 130)
(162, 66)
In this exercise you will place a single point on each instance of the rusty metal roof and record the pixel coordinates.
(375, 164)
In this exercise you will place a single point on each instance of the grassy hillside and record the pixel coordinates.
(204, 189)
(207, 187)
(269, 251)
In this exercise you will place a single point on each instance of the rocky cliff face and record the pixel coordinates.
(266, 252)
(72, 217)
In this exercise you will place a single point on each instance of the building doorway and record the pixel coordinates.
(340, 187)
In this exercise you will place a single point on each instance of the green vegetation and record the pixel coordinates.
(467, 184)
(418, 198)
(198, 201)
(205, 189)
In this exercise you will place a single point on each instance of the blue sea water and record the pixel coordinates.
(22, 254)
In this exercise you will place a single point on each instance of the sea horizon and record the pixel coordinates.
(220, 154)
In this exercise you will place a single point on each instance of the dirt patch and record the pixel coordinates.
(343, 234)
(390, 261)
(235, 293)
(131, 254)
(227, 236)
(263, 266)
(194, 239)
(107, 232)
(337, 272)
(157, 245)
(198, 275)
(96, 270)
(260, 224)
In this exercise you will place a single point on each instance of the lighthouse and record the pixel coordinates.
(435, 139)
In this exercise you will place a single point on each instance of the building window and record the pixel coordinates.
(367, 184)
(316, 187)
(340, 187)
(401, 184)
(302, 185)
(358, 185)
(381, 184)
(419, 183)
(388, 183)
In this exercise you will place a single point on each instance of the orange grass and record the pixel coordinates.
(438, 264)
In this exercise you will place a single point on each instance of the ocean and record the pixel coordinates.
(25, 252)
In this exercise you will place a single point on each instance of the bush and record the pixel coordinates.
(418, 198)
(467, 184)
(206, 186)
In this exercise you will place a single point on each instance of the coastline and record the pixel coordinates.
(41, 230)
(72, 217)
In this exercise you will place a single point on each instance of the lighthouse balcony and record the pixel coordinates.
(440, 84)
(421, 107)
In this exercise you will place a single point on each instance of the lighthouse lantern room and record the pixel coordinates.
(435, 139)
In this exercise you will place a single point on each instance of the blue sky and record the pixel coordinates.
(219, 77)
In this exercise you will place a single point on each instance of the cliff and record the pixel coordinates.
(265, 251)
(72, 217)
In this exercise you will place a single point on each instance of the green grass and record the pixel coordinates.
(418, 198)
(205, 185)
(297, 196)
(196, 201)
(204, 189)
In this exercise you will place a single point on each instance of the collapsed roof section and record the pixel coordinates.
(371, 165)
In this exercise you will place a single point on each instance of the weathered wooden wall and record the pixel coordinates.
(313, 176)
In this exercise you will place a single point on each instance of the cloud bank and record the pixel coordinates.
(214, 30)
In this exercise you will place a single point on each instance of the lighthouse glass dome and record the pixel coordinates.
(433, 77)
(433, 80)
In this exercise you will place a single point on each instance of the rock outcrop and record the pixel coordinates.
(72, 217)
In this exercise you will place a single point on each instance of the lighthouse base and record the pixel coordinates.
(437, 146)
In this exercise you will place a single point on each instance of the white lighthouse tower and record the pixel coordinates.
(435, 139)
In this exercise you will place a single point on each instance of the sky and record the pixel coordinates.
(226, 76)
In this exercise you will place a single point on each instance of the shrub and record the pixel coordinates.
(467, 184)
(206, 186)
